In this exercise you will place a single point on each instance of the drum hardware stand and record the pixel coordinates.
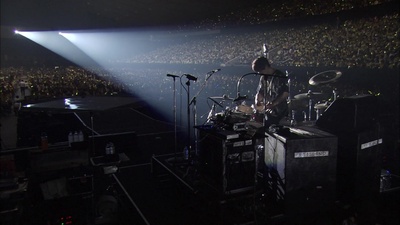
(212, 110)
(334, 95)
(310, 102)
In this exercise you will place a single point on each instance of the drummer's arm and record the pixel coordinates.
(259, 100)
(282, 97)
(269, 105)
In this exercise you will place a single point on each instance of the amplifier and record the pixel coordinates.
(228, 165)
(301, 169)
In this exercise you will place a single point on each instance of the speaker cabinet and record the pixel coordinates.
(359, 164)
(353, 113)
(227, 161)
(301, 170)
(355, 121)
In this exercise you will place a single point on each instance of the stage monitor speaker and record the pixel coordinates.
(227, 163)
(301, 170)
(352, 113)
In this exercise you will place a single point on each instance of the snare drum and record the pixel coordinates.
(248, 110)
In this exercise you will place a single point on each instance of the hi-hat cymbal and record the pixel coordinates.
(224, 97)
(325, 77)
(321, 105)
(308, 95)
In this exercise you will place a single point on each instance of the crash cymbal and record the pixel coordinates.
(308, 95)
(325, 77)
(224, 97)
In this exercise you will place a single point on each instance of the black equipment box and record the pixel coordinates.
(300, 172)
(356, 122)
(227, 161)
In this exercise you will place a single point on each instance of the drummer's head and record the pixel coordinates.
(260, 64)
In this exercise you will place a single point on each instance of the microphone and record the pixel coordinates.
(171, 75)
(211, 73)
(265, 48)
(214, 71)
(239, 98)
(190, 77)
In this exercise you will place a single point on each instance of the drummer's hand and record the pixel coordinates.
(265, 107)
(269, 105)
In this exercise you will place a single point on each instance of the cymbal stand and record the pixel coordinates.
(334, 95)
(310, 102)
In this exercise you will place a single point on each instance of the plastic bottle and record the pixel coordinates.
(76, 136)
(70, 139)
(110, 148)
(80, 136)
(44, 142)
(186, 153)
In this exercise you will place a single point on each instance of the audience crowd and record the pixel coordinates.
(265, 12)
(362, 43)
(368, 43)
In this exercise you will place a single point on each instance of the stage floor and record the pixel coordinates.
(157, 194)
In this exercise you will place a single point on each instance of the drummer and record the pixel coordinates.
(275, 107)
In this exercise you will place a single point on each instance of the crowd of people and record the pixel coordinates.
(265, 12)
(32, 84)
(368, 43)
(362, 43)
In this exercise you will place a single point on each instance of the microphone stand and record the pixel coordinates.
(174, 112)
(194, 101)
(188, 120)
(238, 97)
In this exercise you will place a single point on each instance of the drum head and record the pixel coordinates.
(248, 110)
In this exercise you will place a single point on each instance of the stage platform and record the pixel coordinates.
(156, 194)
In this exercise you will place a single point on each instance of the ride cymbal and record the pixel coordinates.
(325, 77)
(308, 95)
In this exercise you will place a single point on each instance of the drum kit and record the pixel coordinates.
(311, 103)
(315, 101)
(235, 113)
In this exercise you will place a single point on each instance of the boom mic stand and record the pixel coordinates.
(188, 144)
(194, 101)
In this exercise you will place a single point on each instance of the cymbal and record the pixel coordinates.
(325, 77)
(321, 105)
(310, 94)
(224, 97)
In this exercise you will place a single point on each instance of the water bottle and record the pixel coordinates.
(110, 149)
(70, 139)
(80, 136)
(186, 153)
(76, 136)
(44, 142)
